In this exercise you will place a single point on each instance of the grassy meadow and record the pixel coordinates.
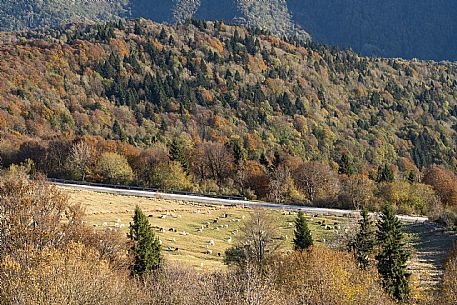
(186, 228)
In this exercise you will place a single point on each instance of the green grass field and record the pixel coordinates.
(186, 228)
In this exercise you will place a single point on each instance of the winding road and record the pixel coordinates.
(219, 201)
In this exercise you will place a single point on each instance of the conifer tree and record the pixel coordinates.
(117, 129)
(346, 165)
(385, 174)
(392, 258)
(176, 154)
(276, 161)
(363, 243)
(146, 247)
(412, 178)
(239, 152)
(163, 36)
(138, 30)
(264, 161)
(303, 239)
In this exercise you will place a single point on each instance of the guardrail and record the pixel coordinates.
(148, 189)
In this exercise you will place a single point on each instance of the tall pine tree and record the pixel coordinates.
(363, 243)
(146, 247)
(239, 152)
(176, 154)
(346, 165)
(385, 174)
(303, 239)
(392, 258)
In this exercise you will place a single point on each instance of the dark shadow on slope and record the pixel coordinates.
(431, 245)
(226, 10)
(156, 10)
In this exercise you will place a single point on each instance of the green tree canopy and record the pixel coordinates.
(114, 168)
(303, 239)
(392, 258)
(363, 243)
(385, 174)
(146, 247)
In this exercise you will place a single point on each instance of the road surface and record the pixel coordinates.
(218, 201)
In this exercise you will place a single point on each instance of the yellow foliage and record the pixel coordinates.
(325, 276)
(120, 46)
(256, 64)
(216, 44)
(74, 275)
(448, 294)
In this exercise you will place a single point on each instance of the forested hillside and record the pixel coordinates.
(212, 82)
(219, 104)
(16, 15)
(406, 28)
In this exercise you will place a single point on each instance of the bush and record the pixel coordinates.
(114, 168)
(34, 214)
(409, 198)
(448, 294)
(325, 276)
(170, 176)
(449, 217)
(73, 275)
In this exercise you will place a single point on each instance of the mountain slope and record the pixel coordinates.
(408, 29)
(405, 28)
(144, 83)
(28, 14)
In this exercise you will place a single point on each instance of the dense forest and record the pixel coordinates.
(19, 15)
(407, 29)
(216, 108)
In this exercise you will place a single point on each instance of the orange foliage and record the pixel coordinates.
(216, 44)
(256, 64)
(444, 182)
(120, 47)
(254, 142)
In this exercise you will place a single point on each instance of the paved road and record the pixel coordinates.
(209, 200)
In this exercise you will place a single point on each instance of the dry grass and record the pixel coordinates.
(115, 211)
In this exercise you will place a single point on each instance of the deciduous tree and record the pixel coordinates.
(258, 242)
(114, 168)
(80, 160)
(317, 181)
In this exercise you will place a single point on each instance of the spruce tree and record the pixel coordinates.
(412, 178)
(264, 161)
(239, 152)
(346, 165)
(146, 247)
(176, 154)
(276, 161)
(303, 239)
(385, 174)
(392, 258)
(363, 243)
